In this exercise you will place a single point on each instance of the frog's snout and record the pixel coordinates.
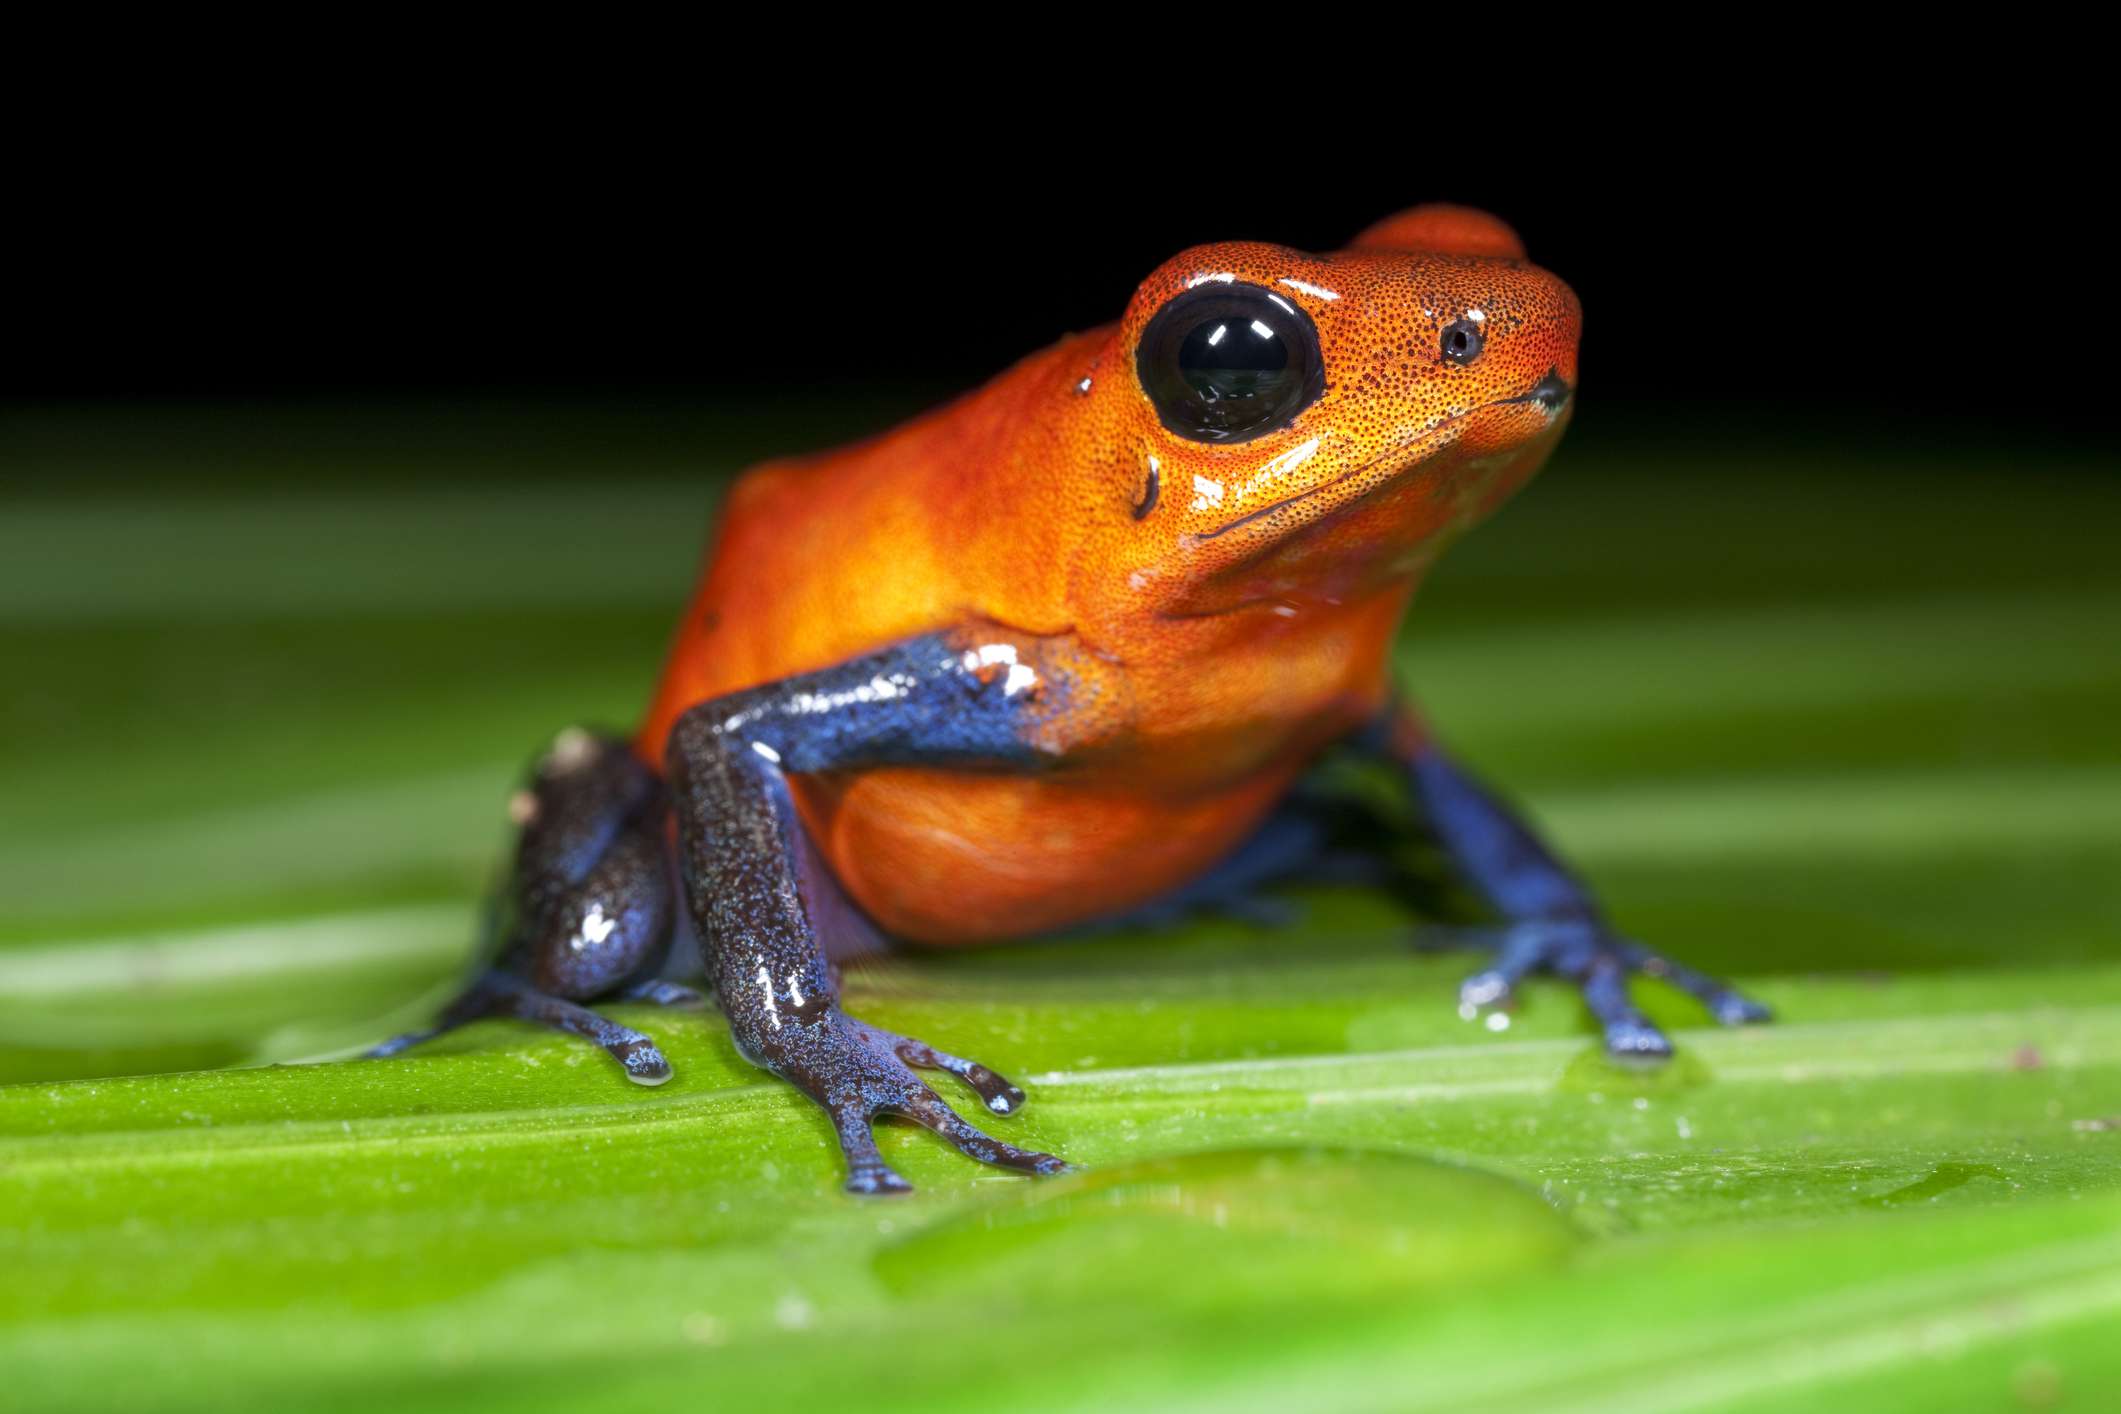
(1551, 392)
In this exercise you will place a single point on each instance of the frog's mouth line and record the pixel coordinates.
(1550, 392)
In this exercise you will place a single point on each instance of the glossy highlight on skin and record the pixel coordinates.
(1058, 653)
(1249, 610)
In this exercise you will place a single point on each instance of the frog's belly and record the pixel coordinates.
(955, 857)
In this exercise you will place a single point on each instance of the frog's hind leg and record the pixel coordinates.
(1304, 841)
(590, 904)
(1544, 919)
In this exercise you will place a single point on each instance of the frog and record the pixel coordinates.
(1072, 650)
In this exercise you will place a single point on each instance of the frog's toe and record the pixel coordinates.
(853, 1120)
(875, 1180)
(475, 1002)
(926, 1109)
(860, 1073)
(1520, 950)
(501, 994)
(995, 1091)
(1599, 963)
(867, 1173)
(398, 1045)
(1629, 1035)
(1734, 1009)
(1724, 1002)
(643, 1060)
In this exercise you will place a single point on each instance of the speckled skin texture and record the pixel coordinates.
(1036, 660)
(1234, 654)
(771, 915)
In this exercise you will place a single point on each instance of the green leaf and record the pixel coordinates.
(253, 792)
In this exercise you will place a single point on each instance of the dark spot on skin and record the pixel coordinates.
(1149, 494)
(710, 621)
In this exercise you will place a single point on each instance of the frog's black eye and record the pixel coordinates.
(1230, 362)
(1462, 341)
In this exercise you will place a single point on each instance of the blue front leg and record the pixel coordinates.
(769, 914)
(1550, 921)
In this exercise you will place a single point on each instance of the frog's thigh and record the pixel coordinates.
(589, 905)
(592, 889)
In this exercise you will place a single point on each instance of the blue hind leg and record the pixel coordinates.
(1302, 842)
(587, 909)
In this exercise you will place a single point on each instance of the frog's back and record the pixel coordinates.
(1234, 583)
(817, 559)
(934, 525)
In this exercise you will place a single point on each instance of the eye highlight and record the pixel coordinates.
(1227, 363)
(1462, 341)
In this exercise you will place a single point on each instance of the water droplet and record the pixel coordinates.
(1290, 1218)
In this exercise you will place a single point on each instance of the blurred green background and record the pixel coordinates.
(1827, 709)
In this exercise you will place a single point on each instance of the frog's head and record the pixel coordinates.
(1295, 424)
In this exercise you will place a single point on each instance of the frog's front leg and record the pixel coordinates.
(767, 910)
(1550, 921)
(587, 908)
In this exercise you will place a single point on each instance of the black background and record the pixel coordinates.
(1907, 271)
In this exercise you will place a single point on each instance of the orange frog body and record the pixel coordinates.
(1059, 652)
(1234, 599)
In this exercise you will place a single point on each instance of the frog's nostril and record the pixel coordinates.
(1549, 392)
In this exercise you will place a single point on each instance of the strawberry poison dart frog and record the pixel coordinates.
(1067, 650)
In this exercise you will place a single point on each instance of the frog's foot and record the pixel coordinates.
(499, 994)
(1584, 952)
(860, 1073)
